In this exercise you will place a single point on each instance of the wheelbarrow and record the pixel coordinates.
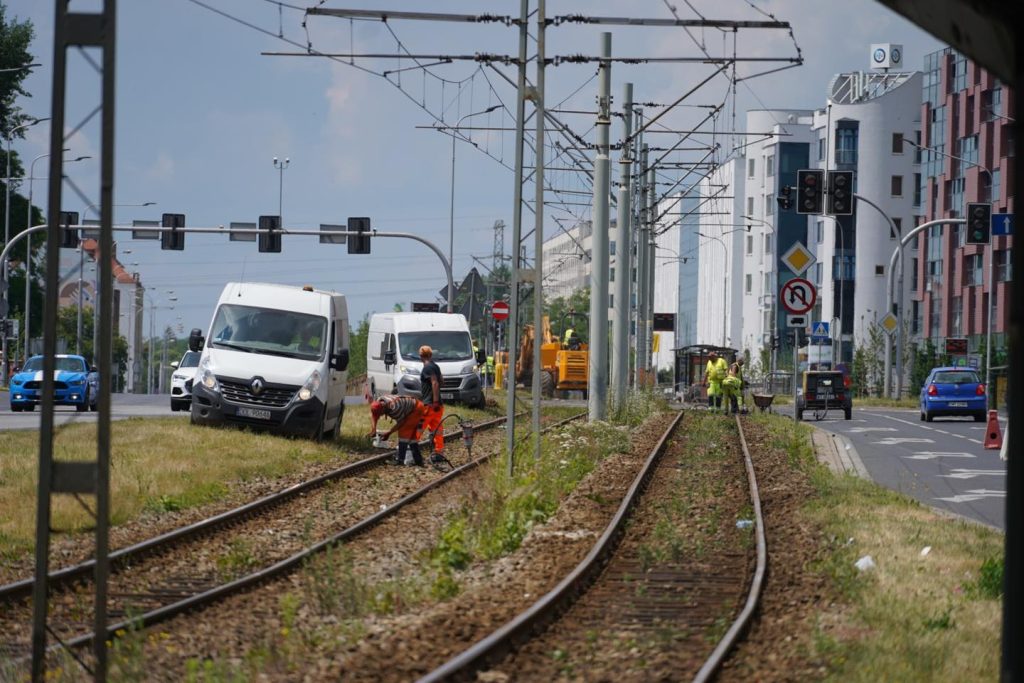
(763, 401)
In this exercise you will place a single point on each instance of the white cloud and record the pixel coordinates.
(162, 169)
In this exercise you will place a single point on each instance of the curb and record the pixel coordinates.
(838, 452)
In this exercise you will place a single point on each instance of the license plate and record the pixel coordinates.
(447, 395)
(254, 413)
(957, 404)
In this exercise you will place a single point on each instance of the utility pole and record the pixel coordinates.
(512, 330)
(652, 198)
(623, 260)
(538, 231)
(641, 268)
(597, 383)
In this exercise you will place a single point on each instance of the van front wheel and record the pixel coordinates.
(334, 433)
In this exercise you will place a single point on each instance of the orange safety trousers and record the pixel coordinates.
(431, 421)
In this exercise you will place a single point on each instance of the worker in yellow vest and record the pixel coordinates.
(714, 374)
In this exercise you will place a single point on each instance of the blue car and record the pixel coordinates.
(76, 384)
(953, 391)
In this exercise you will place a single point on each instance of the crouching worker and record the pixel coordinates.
(408, 413)
(732, 385)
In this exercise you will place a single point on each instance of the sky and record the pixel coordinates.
(201, 114)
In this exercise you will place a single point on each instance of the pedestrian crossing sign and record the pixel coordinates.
(819, 329)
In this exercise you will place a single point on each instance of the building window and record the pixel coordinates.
(956, 315)
(973, 269)
(917, 148)
(611, 247)
(821, 149)
(611, 274)
(994, 188)
(846, 146)
(897, 143)
(897, 186)
(750, 206)
(750, 245)
(913, 275)
(898, 224)
(768, 204)
(992, 104)
(769, 166)
(821, 232)
(819, 271)
(750, 168)
(879, 270)
(918, 190)
(768, 243)
(749, 283)
(935, 316)
(1004, 265)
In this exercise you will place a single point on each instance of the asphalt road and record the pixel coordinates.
(943, 463)
(123, 406)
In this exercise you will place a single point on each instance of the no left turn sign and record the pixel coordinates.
(798, 296)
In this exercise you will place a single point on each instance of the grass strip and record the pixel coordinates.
(929, 610)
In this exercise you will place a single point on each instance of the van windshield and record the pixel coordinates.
(447, 345)
(269, 331)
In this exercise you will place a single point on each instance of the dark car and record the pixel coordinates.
(953, 391)
(824, 390)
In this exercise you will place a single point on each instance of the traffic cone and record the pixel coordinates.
(993, 437)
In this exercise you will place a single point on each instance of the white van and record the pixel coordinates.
(275, 358)
(393, 361)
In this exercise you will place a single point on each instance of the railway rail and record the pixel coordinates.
(594, 576)
(171, 596)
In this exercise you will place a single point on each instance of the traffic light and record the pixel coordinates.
(979, 223)
(785, 198)
(361, 243)
(69, 237)
(809, 190)
(270, 235)
(840, 193)
(172, 239)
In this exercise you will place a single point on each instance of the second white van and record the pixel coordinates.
(393, 362)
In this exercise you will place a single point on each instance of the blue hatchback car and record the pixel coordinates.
(953, 391)
(76, 384)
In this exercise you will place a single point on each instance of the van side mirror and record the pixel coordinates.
(196, 339)
(339, 361)
(390, 357)
(481, 357)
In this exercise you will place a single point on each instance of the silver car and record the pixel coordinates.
(181, 380)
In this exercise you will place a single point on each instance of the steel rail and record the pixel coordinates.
(287, 565)
(544, 610)
(61, 577)
(712, 664)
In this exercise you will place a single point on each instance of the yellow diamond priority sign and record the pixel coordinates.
(798, 258)
(889, 323)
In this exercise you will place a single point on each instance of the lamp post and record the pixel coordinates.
(280, 166)
(18, 68)
(28, 248)
(7, 232)
(152, 335)
(725, 276)
(774, 332)
(96, 283)
(451, 208)
(991, 270)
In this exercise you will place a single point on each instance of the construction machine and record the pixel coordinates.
(565, 360)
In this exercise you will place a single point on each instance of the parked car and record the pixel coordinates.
(181, 380)
(76, 384)
(953, 391)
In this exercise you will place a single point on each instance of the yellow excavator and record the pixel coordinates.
(565, 361)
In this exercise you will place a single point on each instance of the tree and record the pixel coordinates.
(558, 311)
(357, 348)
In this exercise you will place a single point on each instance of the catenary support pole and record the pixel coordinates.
(641, 268)
(512, 324)
(538, 231)
(623, 261)
(597, 381)
(652, 213)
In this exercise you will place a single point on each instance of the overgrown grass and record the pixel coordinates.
(508, 507)
(914, 617)
(160, 465)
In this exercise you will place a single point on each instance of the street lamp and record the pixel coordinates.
(451, 210)
(280, 166)
(991, 270)
(152, 316)
(96, 278)
(18, 68)
(28, 247)
(7, 233)
(725, 276)
(774, 333)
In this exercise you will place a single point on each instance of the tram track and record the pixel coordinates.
(177, 594)
(616, 590)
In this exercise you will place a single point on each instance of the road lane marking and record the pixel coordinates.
(861, 430)
(960, 473)
(974, 494)
(935, 429)
(932, 455)
(895, 440)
